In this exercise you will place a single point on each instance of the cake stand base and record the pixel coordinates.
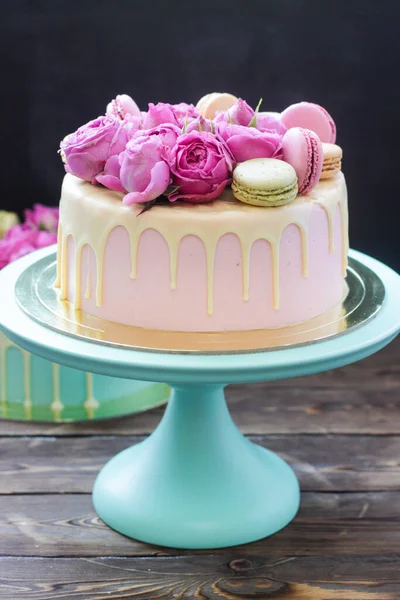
(196, 482)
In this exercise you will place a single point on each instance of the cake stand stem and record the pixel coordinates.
(196, 482)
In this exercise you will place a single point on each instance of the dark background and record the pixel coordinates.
(61, 62)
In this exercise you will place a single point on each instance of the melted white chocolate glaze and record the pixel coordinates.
(209, 222)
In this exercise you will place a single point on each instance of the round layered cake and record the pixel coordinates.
(207, 261)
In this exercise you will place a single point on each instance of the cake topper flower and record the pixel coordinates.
(200, 166)
(178, 151)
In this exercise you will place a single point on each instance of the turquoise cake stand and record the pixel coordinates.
(197, 482)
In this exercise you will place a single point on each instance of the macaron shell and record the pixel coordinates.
(302, 149)
(209, 105)
(258, 198)
(264, 182)
(332, 160)
(310, 116)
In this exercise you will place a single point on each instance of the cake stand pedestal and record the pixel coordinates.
(197, 482)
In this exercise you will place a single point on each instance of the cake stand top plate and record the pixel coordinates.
(205, 368)
(37, 296)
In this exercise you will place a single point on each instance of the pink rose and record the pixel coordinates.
(45, 238)
(183, 110)
(269, 122)
(245, 143)
(200, 166)
(161, 113)
(199, 124)
(42, 217)
(86, 151)
(144, 174)
(238, 114)
(165, 135)
(158, 114)
(110, 175)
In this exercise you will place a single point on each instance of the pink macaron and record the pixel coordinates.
(302, 149)
(121, 106)
(310, 116)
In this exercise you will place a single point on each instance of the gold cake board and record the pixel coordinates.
(36, 295)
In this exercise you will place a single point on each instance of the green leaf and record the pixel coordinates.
(253, 122)
(185, 123)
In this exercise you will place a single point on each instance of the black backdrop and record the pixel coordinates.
(61, 62)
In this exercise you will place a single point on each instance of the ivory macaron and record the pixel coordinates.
(310, 116)
(209, 105)
(264, 182)
(302, 149)
(332, 160)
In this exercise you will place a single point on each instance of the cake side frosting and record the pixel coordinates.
(91, 216)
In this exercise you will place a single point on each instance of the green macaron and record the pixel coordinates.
(264, 182)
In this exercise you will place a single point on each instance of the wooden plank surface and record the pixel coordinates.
(322, 462)
(228, 576)
(363, 397)
(335, 524)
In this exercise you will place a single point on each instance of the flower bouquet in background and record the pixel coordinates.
(38, 230)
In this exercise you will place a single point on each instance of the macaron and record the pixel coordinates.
(302, 149)
(264, 182)
(121, 106)
(209, 105)
(310, 116)
(332, 160)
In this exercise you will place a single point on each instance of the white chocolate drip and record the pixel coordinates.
(231, 217)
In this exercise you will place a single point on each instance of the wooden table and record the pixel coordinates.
(341, 432)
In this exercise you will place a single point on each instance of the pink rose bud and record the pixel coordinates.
(86, 151)
(144, 174)
(245, 143)
(199, 124)
(201, 167)
(183, 111)
(268, 121)
(122, 106)
(238, 114)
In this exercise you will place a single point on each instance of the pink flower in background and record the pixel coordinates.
(245, 143)
(238, 114)
(86, 151)
(200, 166)
(42, 217)
(270, 122)
(143, 174)
(38, 231)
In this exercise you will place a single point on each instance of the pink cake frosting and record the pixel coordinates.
(207, 267)
(200, 261)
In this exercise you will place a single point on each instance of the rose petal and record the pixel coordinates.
(159, 180)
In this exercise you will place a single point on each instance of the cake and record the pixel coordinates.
(152, 234)
(32, 388)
